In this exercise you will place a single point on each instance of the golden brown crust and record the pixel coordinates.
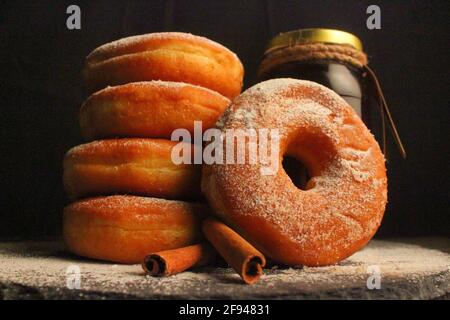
(169, 56)
(345, 199)
(151, 109)
(125, 229)
(129, 166)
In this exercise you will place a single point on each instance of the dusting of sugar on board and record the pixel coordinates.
(411, 268)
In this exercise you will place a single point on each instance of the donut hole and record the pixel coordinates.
(296, 171)
(308, 152)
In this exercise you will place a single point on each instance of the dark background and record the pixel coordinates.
(41, 90)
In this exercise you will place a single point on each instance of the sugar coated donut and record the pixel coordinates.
(171, 56)
(129, 166)
(126, 228)
(149, 109)
(343, 202)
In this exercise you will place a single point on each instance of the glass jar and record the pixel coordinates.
(336, 60)
(283, 60)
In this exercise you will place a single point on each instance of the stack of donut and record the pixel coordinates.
(129, 198)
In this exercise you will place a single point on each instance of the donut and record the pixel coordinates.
(170, 56)
(151, 109)
(343, 202)
(129, 166)
(125, 228)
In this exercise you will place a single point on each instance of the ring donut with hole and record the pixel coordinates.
(344, 200)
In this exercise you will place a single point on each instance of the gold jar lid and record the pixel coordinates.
(303, 36)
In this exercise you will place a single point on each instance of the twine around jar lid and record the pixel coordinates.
(312, 52)
(313, 44)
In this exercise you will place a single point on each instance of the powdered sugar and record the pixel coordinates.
(127, 202)
(98, 148)
(160, 84)
(124, 44)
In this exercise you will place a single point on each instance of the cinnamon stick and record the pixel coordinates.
(170, 262)
(239, 254)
